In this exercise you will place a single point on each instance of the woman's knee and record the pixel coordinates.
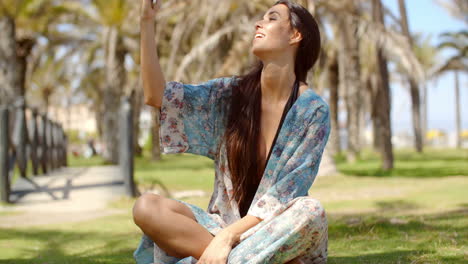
(311, 209)
(147, 204)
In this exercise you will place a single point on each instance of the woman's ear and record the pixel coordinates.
(296, 37)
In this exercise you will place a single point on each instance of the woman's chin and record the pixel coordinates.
(258, 52)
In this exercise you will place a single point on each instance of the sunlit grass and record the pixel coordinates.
(431, 163)
(176, 172)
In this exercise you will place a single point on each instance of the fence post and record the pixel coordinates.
(4, 150)
(44, 150)
(53, 145)
(60, 145)
(34, 144)
(48, 138)
(65, 149)
(126, 156)
(20, 136)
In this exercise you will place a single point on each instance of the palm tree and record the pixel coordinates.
(381, 108)
(9, 76)
(350, 76)
(414, 90)
(91, 86)
(48, 76)
(457, 41)
(427, 55)
(457, 8)
(333, 84)
(22, 22)
(104, 20)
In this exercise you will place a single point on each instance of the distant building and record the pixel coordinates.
(78, 117)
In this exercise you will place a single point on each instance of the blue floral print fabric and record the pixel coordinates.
(193, 120)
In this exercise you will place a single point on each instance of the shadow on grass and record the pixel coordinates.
(400, 256)
(391, 257)
(57, 246)
(407, 172)
(409, 239)
(370, 239)
(399, 205)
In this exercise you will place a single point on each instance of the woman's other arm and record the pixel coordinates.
(236, 229)
(151, 73)
(219, 248)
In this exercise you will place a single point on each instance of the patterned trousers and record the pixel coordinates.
(300, 230)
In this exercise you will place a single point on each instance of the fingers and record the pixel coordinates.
(146, 3)
(158, 5)
(148, 11)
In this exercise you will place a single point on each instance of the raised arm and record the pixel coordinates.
(152, 75)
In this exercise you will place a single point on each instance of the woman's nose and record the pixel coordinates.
(257, 25)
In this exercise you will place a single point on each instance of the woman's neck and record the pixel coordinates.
(276, 81)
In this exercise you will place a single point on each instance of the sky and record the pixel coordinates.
(428, 17)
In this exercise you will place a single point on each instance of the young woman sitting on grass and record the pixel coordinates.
(266, 132)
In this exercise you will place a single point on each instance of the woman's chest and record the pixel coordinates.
(269, 127)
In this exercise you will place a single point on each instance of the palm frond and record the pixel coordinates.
(395, 47)
(202, 49)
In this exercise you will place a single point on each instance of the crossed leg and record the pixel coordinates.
(171, 225)
(300, 230)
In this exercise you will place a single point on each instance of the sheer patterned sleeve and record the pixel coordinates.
(189, 116)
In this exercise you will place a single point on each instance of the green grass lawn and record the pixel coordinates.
(417, 213)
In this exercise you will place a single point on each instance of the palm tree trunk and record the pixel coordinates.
(9, 77)
(416, 115)
(98, 113)
(383, 97)
(457, 110)
(362, 120)
(23, 50)
(372, 87)
(351, 77)
(414, 91)
(333, 82)
(424, 112)
(115, 82)
(137, 102)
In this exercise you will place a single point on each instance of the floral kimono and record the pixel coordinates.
(193, 120)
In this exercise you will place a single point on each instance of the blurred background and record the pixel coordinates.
(77, 143)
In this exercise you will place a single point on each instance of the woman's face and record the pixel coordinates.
(273, 33)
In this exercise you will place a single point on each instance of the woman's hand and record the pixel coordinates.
(148, 10)
(218, 250)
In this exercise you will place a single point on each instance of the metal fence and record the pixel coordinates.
(28, 138)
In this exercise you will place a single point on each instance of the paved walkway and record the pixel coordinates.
(69, 194)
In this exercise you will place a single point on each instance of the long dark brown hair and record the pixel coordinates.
(243, 125)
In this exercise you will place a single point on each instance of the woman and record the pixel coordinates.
(266, 132)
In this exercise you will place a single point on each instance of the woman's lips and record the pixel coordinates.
(259, 35)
